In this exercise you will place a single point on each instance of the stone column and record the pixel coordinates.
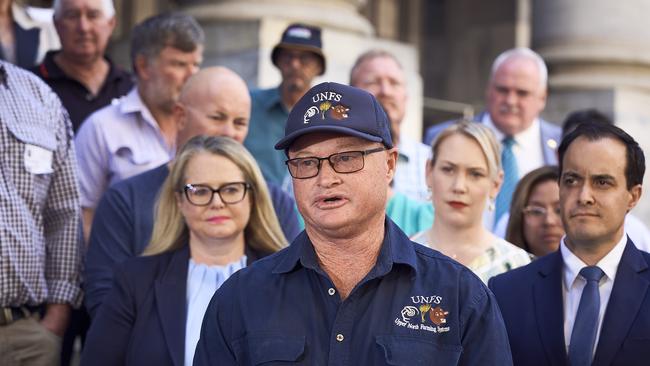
(599, 57)
(241, 34)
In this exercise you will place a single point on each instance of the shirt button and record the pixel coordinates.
(331, 291)
(339, 337)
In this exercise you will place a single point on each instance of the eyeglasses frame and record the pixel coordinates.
(189, 186)
(328, 158)
(528, 209)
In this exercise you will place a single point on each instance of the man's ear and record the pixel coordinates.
(543, 99)
(141, 67)
(635, 196)
(112, 23)
(391, 160)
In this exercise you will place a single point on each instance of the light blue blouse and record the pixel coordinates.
(202, 282)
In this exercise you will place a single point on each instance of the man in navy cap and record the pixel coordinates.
(351, 289)
(299, 57)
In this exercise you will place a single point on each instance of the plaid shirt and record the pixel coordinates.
(40, 252)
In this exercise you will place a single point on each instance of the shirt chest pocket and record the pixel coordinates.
(128, 161)
(403, 350)
(30, 161)
(270, 349)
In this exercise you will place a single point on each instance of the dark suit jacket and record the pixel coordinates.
(550, 136)
(26, 46)
(530, 299)
(142, 321)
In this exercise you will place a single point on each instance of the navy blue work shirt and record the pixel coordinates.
(415, 307)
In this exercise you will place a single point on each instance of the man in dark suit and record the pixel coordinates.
(589, 301)
(515, 96)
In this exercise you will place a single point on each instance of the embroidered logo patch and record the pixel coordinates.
(312, 111)
(424, 313)
(327, 105)
(339, 112)
(324, 107)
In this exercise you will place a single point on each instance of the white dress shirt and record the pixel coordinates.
(528, 148)
(573, 284)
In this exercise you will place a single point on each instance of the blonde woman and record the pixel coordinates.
(213, 217)
(464, 176)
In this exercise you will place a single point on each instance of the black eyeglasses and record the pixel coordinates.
(343, 162)
(202, 195)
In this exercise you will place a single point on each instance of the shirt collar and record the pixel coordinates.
(609, 263)
(396, 248)
(50, 70)
(523, 138)
(273, 100)
(405, 149)
(132, 103)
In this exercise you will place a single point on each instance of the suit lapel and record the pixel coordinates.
(549, 309)
(628, 294)
(170, 292)
(549, 143)
(549, 140)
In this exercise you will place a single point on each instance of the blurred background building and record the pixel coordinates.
(597, 50)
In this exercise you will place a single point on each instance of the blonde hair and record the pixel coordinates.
(483, 136)
(170, 232)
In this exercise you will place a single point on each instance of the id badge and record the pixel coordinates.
(38, 160)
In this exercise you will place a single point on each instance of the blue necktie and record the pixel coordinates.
(510, 177)
(583, 335)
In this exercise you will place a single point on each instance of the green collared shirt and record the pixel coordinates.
(268, 120)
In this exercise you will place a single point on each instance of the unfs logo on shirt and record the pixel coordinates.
(325, 106)
(424, 314)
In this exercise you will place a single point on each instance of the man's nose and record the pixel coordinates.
(228, 130)
(327, 176)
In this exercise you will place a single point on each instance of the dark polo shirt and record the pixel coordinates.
(78, 100)
(415, 307)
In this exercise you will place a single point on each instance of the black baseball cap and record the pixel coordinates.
(301, 37)
(333, 107)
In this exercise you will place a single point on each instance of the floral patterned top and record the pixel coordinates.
(500, 257)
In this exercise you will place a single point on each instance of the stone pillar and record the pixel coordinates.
(241, 34)
(599, 57)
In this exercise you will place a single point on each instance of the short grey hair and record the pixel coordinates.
(371, 55)
(523, 52)
(176, 30)
(108, 8)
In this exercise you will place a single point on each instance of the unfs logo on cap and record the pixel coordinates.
(326, 107)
